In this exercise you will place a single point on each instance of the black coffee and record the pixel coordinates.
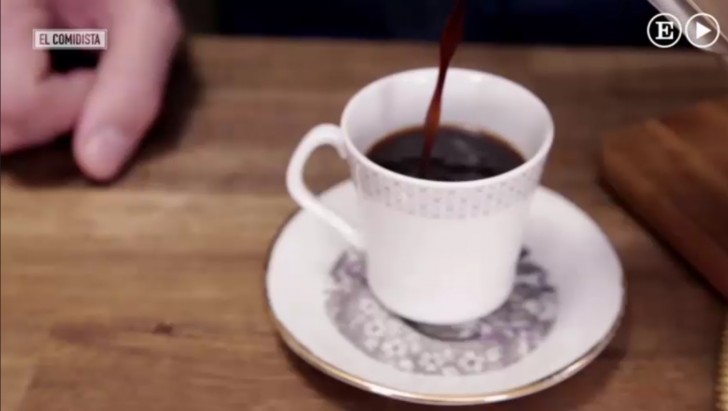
(458, 154)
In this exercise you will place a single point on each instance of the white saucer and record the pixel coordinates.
(564, 310)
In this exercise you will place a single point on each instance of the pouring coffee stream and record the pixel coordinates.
(452, 36)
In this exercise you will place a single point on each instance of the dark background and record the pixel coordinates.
(554, 22)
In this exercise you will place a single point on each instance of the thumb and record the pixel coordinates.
(130, 83)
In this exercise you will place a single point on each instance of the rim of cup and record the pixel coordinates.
(538, 156)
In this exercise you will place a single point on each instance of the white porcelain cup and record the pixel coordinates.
(436, 252)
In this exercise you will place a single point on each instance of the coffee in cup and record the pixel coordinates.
(458, 154)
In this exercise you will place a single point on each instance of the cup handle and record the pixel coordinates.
(321, 135)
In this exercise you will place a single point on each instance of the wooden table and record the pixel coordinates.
(148, 294)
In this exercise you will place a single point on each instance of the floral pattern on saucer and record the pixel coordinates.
(493, 342)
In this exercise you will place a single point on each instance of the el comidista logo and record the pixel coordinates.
(70, 39)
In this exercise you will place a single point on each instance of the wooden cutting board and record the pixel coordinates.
(673, 173)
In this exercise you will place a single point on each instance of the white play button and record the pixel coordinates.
(701, 30)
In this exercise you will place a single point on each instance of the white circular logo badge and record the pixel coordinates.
(664, 30)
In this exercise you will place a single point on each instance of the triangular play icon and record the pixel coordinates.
(701, 30)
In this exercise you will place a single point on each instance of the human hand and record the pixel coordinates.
(109, 108)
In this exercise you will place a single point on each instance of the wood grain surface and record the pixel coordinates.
(148, 294)
(673, 171)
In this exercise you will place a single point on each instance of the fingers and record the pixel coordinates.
(130, 82)
(10, 139)
(59, 100)
(21, 67)
(52, 108)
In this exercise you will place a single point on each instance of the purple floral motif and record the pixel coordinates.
(493, 342)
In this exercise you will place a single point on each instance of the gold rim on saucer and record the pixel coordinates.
(466, 399)
(430, 399)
